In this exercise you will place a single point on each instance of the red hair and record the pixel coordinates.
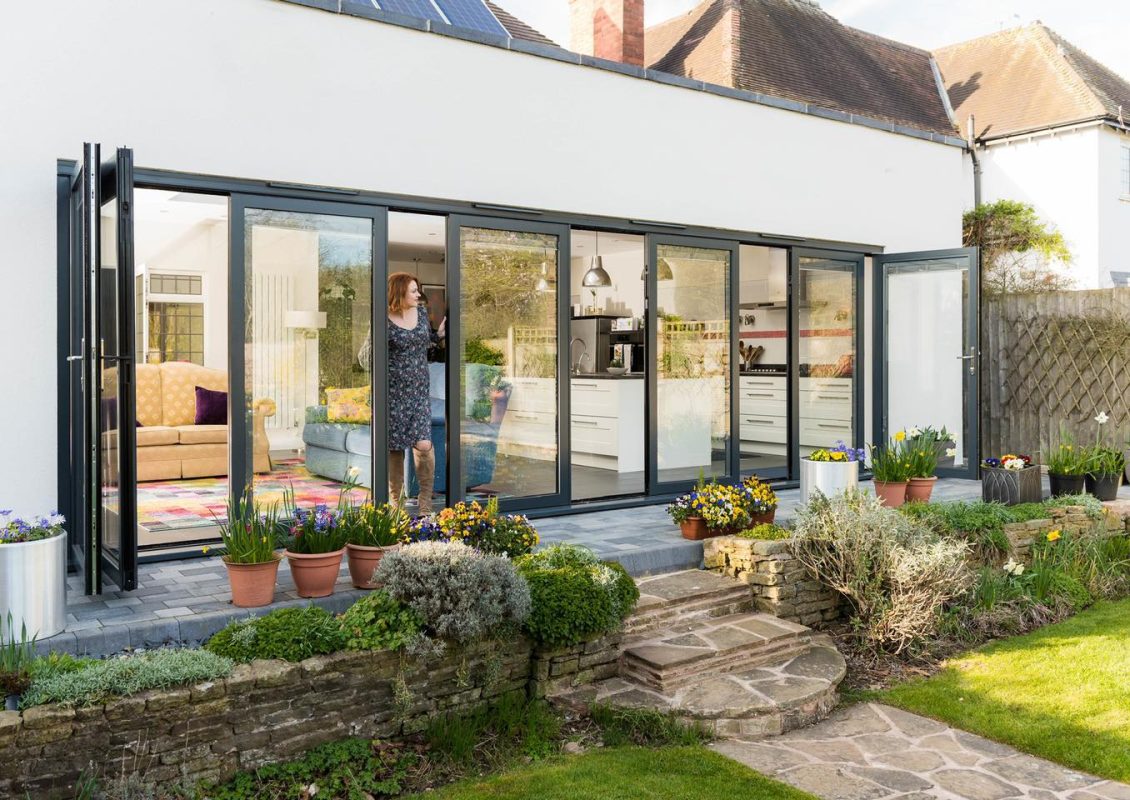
(398, 283)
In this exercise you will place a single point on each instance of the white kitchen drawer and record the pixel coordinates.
(599, 435)
(596, 398)
(825, 405)
(826, 385)
(532, 394)
(771, 406)
(532, 428)
(824, 432)
(762, 382)
(758, 428)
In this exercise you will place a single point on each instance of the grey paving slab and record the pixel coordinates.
(876, 752)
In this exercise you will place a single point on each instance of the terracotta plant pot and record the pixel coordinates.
(920, 489)
(252, 585)
(316, 573)
(694, 528)
(892, 493)
(1066, 484)
(1105, 486)
(763, 519)
(363, 563)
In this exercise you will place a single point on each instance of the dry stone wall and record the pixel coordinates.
(1067, 520)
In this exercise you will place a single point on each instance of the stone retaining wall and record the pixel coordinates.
(780, 584)
(1070, 520)
(270, 711)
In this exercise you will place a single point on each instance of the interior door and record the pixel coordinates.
(508, 399)
(102, 261)
(928, 313)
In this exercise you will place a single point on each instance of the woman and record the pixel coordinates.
(409, 408)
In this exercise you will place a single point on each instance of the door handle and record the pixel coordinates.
(971, 358)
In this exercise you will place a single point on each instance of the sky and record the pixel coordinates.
(1100, 27)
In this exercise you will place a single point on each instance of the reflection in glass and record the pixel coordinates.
(109, 410)
(826, 294)
(309, 399)
(693, 363)
(763, 345)
(509, 363)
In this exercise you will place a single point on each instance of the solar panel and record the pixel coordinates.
(422, 9)
(471, 14)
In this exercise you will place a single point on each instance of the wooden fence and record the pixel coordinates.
(1052, 359)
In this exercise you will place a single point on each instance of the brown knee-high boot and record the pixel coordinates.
(425, 474)
(395, 476)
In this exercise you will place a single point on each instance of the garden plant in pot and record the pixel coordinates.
(1011, 479)
(16, 656)
(315, 547)
(475, 525)
(921, 450)
(759, 500)
(249, 539)
(371, 532)
(890, 470)
(1104, 465)
(710, 509)
(33, 572)
(830, 471)
(1067, 466)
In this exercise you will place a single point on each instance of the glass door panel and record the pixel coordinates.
(312, 375)
(929, 308)
(692, 367)
(509, 324)
(827, 328)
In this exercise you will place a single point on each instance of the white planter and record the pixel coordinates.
(828, 477)
(33, 585)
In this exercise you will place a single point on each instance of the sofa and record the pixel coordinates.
(334, 448)
(169, 443)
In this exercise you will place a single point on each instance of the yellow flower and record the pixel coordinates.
(205, 549)
(1053, 536)
(900, 436)
(264, 540)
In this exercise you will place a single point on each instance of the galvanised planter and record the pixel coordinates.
(830, 478)
(33, 585)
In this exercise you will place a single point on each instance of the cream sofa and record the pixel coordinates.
(169, 443)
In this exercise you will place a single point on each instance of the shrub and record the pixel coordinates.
(766, 532)
(895, 572)
(1090, 504)
(483, 528)
(461, 594)
(126, 675)
(377, 622)
(292, 634)
(574, 595)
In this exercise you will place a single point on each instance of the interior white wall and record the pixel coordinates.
(383, 108)
(755, 267)
(1059, 176)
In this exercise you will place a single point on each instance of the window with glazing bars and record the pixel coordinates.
(176, 332)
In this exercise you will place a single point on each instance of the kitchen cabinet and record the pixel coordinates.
(607, 423)
(763, 409)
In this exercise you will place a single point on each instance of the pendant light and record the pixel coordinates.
(596, 276)
(542, 285)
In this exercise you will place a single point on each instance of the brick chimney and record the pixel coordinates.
(611, 29)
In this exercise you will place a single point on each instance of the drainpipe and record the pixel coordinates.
(972, 139)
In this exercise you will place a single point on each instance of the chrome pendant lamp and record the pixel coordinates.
(596, 274)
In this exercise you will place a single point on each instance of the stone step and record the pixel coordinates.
(677, 597)
(685, 652)
(797, 690)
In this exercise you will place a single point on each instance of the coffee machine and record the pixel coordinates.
(629, 347)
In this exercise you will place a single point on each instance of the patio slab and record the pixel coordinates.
(186, 601)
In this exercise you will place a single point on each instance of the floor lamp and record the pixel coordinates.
(306, 324)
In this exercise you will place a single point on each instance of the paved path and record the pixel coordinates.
(875, 752)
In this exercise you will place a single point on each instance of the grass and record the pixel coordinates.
(626, 773)
(1059, 692)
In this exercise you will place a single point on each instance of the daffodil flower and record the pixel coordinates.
(1053, 536)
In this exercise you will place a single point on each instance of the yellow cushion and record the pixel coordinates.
(179, 380)
(349, 405)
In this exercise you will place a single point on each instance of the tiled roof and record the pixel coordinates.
(795, 50)
(516, 27)
(1027, 79)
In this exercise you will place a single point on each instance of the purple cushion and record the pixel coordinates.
(211, 407)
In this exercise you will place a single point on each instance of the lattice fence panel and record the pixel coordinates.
(1052, 360)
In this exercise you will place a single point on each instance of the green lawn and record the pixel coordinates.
(626, 773)
(1062, 692)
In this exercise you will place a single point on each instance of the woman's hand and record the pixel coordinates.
(442, 332)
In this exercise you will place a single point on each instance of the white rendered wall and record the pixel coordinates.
(1059, 176)
(1114, 206)
(267, 90)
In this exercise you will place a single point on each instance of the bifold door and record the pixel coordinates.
(105, 522)
(927, 311)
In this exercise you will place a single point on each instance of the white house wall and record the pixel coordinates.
(267, 90)
(1114, 206)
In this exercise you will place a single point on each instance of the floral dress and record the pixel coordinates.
(409, 406)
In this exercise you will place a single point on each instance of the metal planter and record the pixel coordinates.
(33, 585)
(1011, 486)
(830, 478)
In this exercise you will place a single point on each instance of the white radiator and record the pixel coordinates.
(275, 371)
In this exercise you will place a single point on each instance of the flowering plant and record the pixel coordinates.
(368, 525)
(720, 505)
(314, 530)
(889, 464)
(757, 496)
(841, 453)
(478, 526)
(1009, 461)
(249, 536)
(14, 531)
